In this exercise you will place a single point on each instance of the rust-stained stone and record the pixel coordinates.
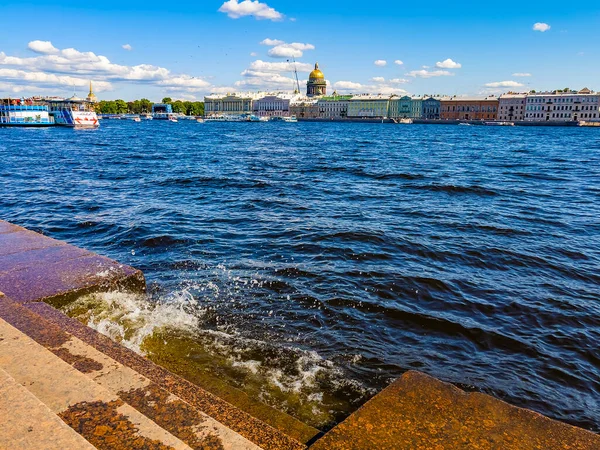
(175, 416)
(105, 428)
(81, 363)
(34, 267)
(419, 412)
(42, 256)
(24, 240)
(65, 280)
(237, 420)
(7, 227)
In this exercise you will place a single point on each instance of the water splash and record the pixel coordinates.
(175, 332)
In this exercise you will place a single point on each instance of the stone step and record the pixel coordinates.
(28, 424)
(36, 268)
(155, 397)
(97, 414)
(420, 412)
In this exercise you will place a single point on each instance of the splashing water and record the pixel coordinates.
(174, 331)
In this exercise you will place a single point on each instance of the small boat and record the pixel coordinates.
(136, 119)
(200, 120)
(173, 119)
(499, 124)
(466, 124)
(290, 119)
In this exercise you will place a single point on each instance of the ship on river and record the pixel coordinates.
(24, 113)
(74, 112)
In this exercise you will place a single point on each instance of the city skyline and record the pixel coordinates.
(154, 50)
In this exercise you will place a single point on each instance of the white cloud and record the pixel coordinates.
(398, 81)
(448, 64)
(429, 74)
(295, 49)
(271, 42)
(253, 54)
(236, 9)
(380, 63)
(497, 84)
(279, 67)
(49, 79)
(398, 62)
(378, 87)
(71, 67)
(127, 47)
(347, 85)
(43, 47)
(521, 74)
(266, 81)
(540, 26)
(378, 79)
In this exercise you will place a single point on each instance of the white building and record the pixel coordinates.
(274, 105)
(563, 106)
(234, 104)
(511, 107)
(334, 107)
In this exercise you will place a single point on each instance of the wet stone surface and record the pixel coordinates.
(175, 416)
(419, 412)
(106, 429)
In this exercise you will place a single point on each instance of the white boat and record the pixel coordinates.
(500, 124)
(74, 112)
(173, 119)
(465, 124)
(290, 119)
(200, 120)
(136, 119)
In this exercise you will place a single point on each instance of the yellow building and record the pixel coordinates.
(316, 85)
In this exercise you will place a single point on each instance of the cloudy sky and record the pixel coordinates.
(186, 49)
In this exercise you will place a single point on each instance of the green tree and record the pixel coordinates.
(178, 107)
(121, 106)
(167, 100)
(145, 105)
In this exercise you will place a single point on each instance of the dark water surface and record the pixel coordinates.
(310, 264)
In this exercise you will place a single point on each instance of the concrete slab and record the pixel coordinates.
(28, 424)
(97, 414)
(253, 429)
(419, 412)
(34, 267)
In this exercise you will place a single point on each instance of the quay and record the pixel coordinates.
(66, 386)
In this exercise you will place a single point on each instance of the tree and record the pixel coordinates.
(167, 100)
(121, 106)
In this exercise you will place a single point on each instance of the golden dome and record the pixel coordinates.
(316, 73)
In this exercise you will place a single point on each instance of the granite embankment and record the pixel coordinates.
(63, 385)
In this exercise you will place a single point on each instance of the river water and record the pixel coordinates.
(310, 264)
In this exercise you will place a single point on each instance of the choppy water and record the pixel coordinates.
(310, 264)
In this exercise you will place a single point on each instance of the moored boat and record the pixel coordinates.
(24, 113)
(74, 112)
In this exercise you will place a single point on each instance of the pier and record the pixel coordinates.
(64, 385)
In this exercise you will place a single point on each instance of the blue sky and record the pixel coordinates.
(186, 49)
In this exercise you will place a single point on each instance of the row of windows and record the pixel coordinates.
(562, 100)
(470, 109)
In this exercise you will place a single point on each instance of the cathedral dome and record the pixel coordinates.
(317, 74)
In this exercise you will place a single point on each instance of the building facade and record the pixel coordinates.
(563, 106)
(334, 107)
(511, 107)
(273, 105)
(431, 108)
(305, 108)
(234, 104)
(316, 85)
(368, 106)
(469, 108)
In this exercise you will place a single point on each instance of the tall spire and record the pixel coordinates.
(91, 91)
(91, 96)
